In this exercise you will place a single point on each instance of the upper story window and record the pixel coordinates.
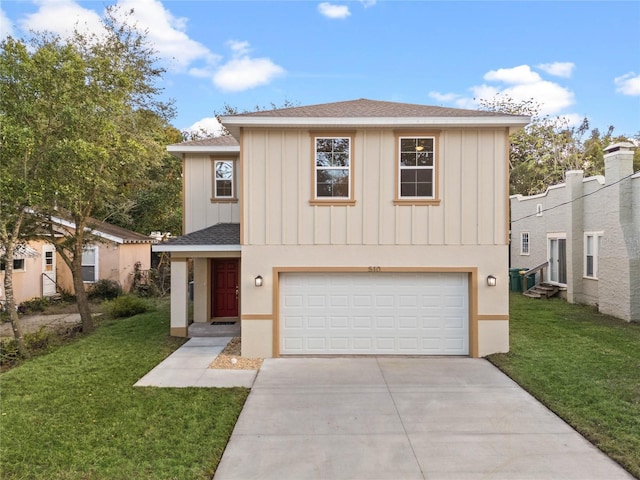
(333, 169)
(417, 165)
(591, 253)
(90, 264)
(538, 210)
(524, 243)
(223, 183)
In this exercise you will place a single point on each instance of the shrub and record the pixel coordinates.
(8, 352)
(126, 306)
(105, 289)
(35, 342)
(37, 304)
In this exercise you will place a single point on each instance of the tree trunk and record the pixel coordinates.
(10, 299)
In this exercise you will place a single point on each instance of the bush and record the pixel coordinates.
(37, 304)
(35, 342)
(105, 289)
(126, 306)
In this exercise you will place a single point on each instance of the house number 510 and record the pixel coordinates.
(375, 269)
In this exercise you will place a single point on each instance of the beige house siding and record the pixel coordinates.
(277, 192)
(199, 211)
(27, 283)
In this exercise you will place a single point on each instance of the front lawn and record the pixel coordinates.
(584, 366)
(74, 413)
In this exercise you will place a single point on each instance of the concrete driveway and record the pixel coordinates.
(401, 418)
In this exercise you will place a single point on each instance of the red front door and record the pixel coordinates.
(225, 288)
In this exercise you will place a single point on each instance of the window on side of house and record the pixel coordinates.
(90, 264)
(524, 243)
(538, 210)
(18, 265)
(591, 253)
(223, 180)
(417, 165)
(332, 168)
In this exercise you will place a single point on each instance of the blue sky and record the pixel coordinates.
(576, 59)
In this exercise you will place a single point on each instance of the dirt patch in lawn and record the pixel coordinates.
(230, 358)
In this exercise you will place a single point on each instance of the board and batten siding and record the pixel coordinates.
(199, 211)
(278, 187)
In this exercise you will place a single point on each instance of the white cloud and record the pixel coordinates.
(519, 83)
(368, 3)
(444, 97)
(244, 73)
(558, 69)
(209, 125)
(571, 119)
(166, 33)
(239, 48)
(6, 27)
(628, 84)
(333, 11)
(67, 13)
(514, 76)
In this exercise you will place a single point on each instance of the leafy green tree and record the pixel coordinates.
(548, 147)
(156, 204)
(24, 134)
(91, 100)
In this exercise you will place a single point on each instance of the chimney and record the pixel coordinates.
(618, 161)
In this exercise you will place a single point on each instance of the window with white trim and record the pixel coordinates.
(416, 168)
(18, 265)
(538, 210)
(332, 168)
(524, 243)
(90, 264)
(223, 179)
(592, 242)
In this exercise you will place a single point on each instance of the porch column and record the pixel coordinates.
(179, 298)
(201, 311)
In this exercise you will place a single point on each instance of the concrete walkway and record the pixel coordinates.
(402, 418)
(188, 366)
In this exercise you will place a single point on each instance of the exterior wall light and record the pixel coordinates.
(258, 281)
(491, 281)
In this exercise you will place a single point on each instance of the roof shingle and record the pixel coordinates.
(219, 234)
(364, 108)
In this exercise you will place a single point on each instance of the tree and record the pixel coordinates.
(23, 132)
(155, 205)
(94, 110)
(548, 147)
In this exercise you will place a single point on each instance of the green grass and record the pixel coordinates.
(74, 413)
(584, 366)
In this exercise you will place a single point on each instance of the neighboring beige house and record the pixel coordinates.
(357, 227)
(40, 272)
(588, 230)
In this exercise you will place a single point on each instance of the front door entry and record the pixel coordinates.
(225, 288)
(48, 270)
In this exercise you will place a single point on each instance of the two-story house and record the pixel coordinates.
(357, 227)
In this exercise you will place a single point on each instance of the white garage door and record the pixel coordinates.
(377, 313)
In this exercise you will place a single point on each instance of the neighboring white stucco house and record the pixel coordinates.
(588, 229)
(358, 227)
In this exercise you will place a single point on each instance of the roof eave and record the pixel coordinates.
(195, 248)
(513, 122)
(180, 149)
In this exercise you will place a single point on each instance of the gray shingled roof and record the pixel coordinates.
(224, 141)
(364, 108)
(219, 234)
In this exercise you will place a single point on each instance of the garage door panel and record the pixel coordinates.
(386, 313)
